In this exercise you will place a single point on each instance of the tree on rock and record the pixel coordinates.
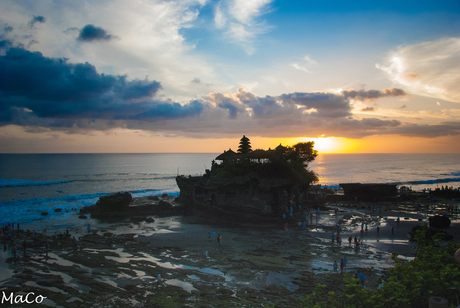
(245, 145)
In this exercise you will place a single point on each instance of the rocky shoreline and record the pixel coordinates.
(252, 267)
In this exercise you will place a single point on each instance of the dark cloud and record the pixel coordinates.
(51, 92)
(327, 105)
(368, 109)
(373, 94)
(5, 45)
(36, 19)
(196, 80)
(91, 33)
(7, 28)
(403, 106)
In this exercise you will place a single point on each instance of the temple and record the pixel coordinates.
(259, 183)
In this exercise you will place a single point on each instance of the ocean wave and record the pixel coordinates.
(79, 200)
(21, 183)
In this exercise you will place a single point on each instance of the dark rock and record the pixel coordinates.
(118, 207)
(430, 233)
(57, 210)
(117, 202)
(44, 213)
(149, 219)
(439, 221)
(153, 198)
(164, 195)
(82, 217)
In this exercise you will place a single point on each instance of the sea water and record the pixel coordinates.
(34, 183)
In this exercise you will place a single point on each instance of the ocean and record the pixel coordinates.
(34, 183)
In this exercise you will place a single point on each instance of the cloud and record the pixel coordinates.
(412, 75)
(196, 80)
(437, 67)
(238, 18)
(44, 94)
(52, 92)
(368, 109)
(36, 19)
(90, 33)
(7, 28)
(363, 95)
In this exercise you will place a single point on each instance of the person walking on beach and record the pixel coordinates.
(393, 230)
(220, 239)
(341, 265)
(361, 278)
(158, 278)
(332, 237)
(335, 266)
(209, 235)
(88, 229)
(349, 240)
(213, 236)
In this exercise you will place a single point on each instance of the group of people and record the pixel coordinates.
(343, 264)
(215, 237)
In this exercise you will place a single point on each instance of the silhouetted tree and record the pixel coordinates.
(245, 145)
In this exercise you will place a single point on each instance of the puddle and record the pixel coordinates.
(52, 289)
(179, 283)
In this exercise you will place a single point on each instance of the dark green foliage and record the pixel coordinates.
(433, 272)
(288, 163)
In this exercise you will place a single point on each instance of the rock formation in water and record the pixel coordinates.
(252, 184)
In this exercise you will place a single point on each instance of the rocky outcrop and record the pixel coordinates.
(430, 233)
(122, 205)
(439, 221)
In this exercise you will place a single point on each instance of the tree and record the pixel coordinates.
(433, 272)
(245, 145)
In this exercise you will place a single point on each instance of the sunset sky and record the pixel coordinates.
(195, 76)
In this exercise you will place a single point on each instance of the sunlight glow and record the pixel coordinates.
(326, 144)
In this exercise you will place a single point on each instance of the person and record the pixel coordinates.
(218, 239)
(209, 235)
(393, 230)
(361, 235)
(345, 261)
(361, 278)
(339, 240)
(378, 230)
(335, 266)
(332, 237)
(213, 235)
(88, 229)
(158, 278)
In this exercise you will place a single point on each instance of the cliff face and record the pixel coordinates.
(247, 194)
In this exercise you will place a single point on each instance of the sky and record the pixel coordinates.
(139, 76)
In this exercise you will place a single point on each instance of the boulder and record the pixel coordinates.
(57, 210)
(439, 221)
(82, 217)
(457, 256)
(116, 202)
(44, 213)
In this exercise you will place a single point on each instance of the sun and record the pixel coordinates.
(326, 145)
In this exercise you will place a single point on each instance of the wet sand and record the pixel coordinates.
(116, 267)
